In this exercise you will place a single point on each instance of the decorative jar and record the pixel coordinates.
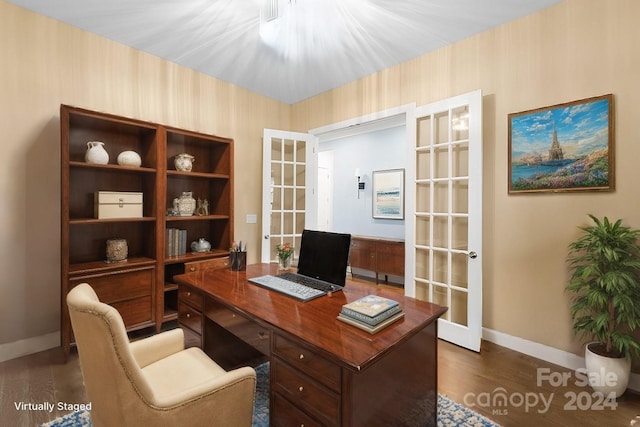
(117, 250)
(185, 204)
(129, 158)
(96, 153)
(184, 162)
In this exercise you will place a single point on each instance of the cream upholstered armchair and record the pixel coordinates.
(154, 381)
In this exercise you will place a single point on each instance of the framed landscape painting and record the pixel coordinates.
(388, 194)
(565, 147)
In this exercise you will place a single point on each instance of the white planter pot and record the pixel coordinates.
(607, 374)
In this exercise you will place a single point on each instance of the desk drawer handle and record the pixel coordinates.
(188, 315)
(188, 294)
(301, 389)
(193, 268)
(301, 356)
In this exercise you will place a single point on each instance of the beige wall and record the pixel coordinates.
(575, 50)
(578, 49)
(46, 63)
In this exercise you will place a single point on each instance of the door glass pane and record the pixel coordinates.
(288, 174)
(276, 217)
(458, 308)
(460, 160)
(289, 147)
(440, 267)
(440, 296)
(422, 264)
(460, 123)
(276, 150)
(440, 232)
(277, 199)
(301, 151)
(459, 270)
(422, 230)
(459, 233)
(441, 127)
(276, 174)
(441, 166)
(423, 199)
(288, 224)
(423, 164)
(300, 199)
(460, 196)
(424, 132)
(300, 175)
(288, 199)
(441, 197)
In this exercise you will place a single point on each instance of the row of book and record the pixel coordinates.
(176, 242)
(371, 313)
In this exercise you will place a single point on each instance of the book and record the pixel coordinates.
(370, 306)
(369, 328)
(373, 321)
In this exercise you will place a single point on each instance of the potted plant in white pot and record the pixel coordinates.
(605, 278)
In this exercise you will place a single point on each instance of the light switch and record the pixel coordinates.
(252, 218)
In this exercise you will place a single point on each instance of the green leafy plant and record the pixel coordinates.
(605, 266)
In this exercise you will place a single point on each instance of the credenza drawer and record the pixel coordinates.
(190, 318)
(307, 361)
(284, 414)
(211, 264)
(119, 285)
(305, 393)
(194, 299)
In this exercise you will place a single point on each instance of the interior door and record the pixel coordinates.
(287, 178)
(444, 235)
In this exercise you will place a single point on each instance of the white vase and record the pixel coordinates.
(129, 158)
(607, 374)
(96, 153)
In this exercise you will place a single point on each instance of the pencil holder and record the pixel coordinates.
(238, 260)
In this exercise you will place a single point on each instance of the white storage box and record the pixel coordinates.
(117, 204)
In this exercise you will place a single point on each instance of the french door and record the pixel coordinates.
(444, 234)
(287, 183)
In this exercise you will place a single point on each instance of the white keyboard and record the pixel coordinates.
(294, 290)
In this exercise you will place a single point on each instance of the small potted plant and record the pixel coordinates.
(605, 278)
(285, 256)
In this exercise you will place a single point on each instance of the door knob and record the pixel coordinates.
(472, 254)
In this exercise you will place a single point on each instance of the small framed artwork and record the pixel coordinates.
(388, 194)
(565, 147)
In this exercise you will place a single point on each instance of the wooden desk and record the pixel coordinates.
(323, 372)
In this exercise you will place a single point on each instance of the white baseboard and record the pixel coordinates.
(548, 354)
(28, 346)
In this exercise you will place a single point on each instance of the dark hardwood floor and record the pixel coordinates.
(477, 380)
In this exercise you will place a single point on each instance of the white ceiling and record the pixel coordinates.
(344, 42)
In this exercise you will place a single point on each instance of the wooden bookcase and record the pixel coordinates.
(140, 288)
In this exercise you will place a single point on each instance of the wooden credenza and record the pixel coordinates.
(377, 254)
(322, 372)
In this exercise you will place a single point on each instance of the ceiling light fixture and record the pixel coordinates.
(296, 29)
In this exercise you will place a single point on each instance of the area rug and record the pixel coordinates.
(450, 414)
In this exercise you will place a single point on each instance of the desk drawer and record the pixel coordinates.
(187, 296)
(284, 414)
(211, 264)
(305, 393)
(308, 362)
(242, 327)
(190, 318)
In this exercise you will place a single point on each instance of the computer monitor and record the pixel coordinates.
(324, 255)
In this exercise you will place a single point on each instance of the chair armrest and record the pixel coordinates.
(156, 347)
(234, 388)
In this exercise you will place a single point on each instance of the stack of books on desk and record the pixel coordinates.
(371, 313)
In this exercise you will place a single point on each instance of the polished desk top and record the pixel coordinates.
(315, 321)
